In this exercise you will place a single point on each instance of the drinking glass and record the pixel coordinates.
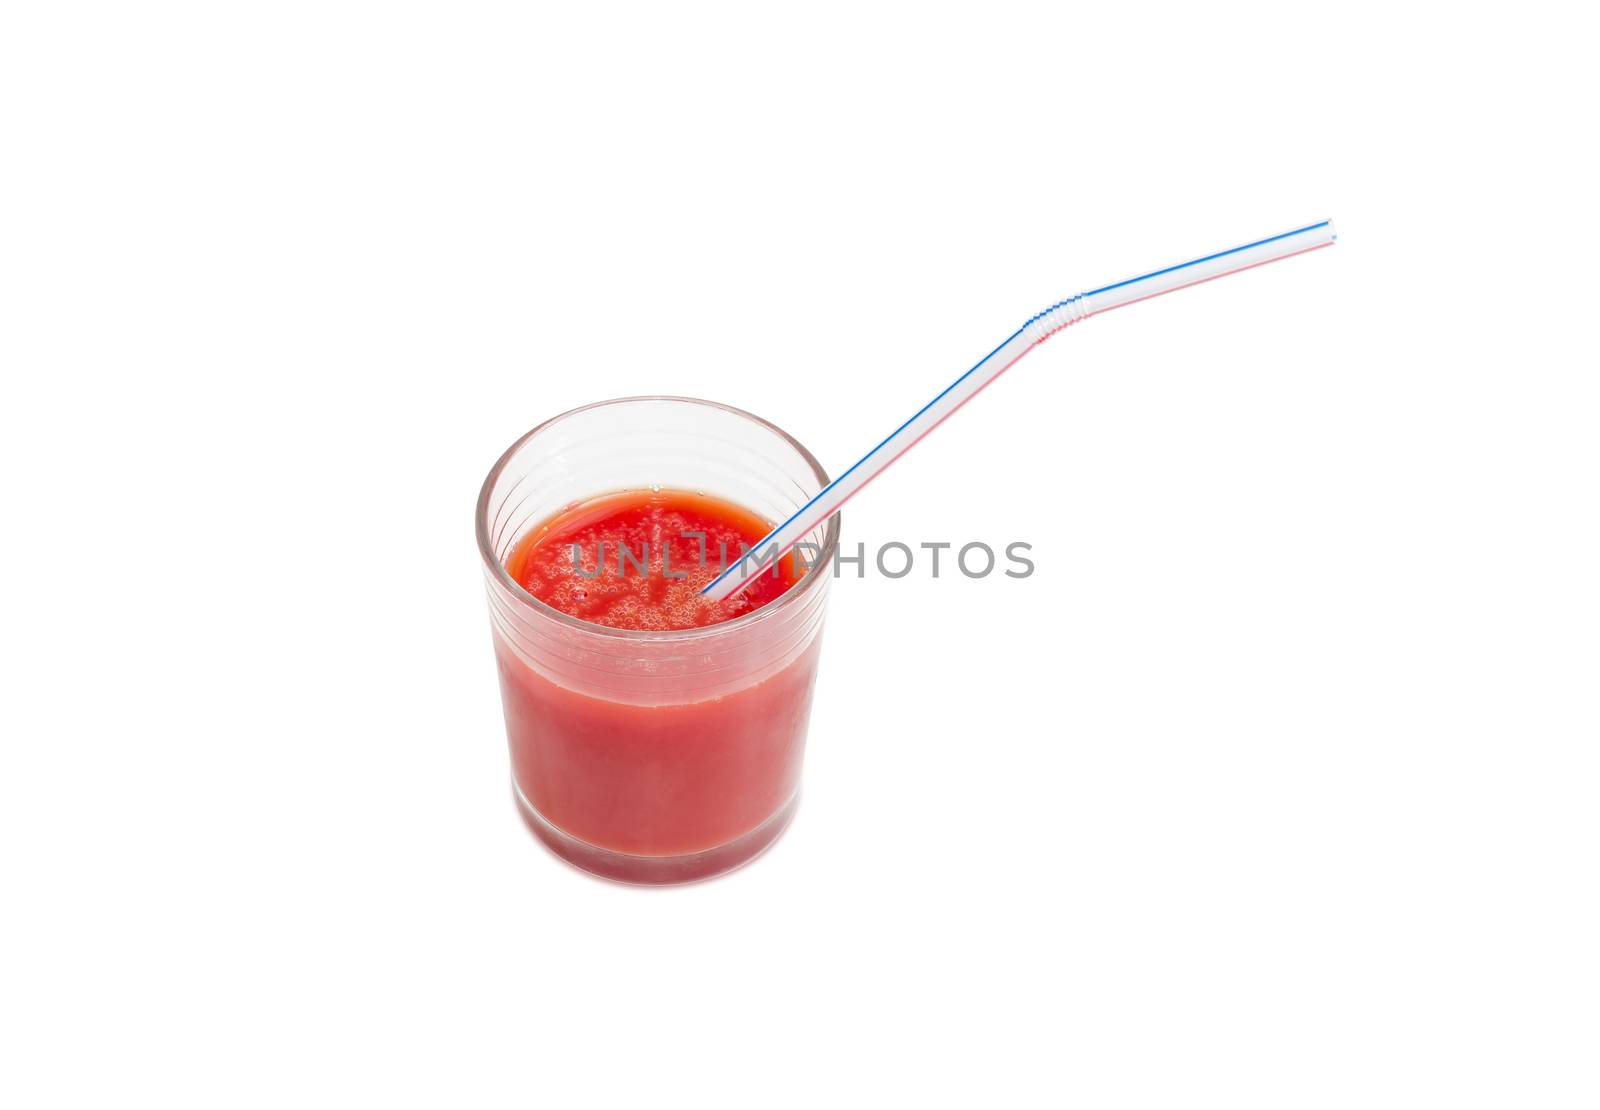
(655, 756)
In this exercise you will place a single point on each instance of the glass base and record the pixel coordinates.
(657, 870)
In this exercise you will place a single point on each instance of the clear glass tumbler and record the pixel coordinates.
(651, 756)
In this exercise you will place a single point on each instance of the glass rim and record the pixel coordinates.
(807, 583)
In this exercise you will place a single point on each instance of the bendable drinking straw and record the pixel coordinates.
(776, 543)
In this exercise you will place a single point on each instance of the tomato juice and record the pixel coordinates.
(686, 761)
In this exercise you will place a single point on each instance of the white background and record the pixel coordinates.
(1274, 787)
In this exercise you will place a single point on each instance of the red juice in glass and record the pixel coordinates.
(654, 736)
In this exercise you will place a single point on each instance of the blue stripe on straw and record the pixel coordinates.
(1103, 289)
(1207, 258)
(734, 566)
